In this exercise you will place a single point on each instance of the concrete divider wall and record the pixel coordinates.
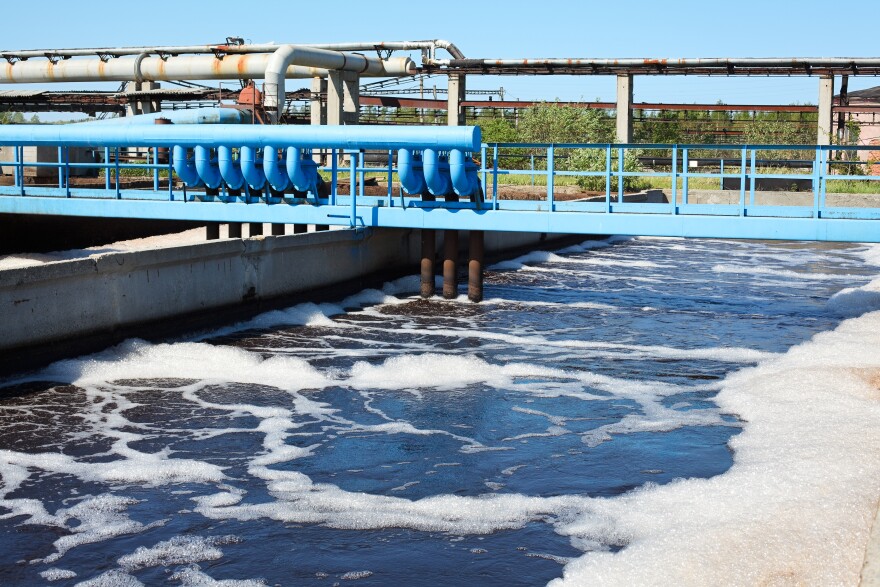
(55, 304)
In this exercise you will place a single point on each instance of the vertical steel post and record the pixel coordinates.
(475, 266)
(742, 182)
(450, 264)
(495, 177)
(620, 175)
(118, 192)
(752, 179)
(21, 168)
(674, 190)
(107, 168)
(334, 170)
(685, 169)
(353, 165)
(721, 187)
(533, 169)
(608, 178)
(483, 170)
(391, 178)
(67, 171)
(16, 169)
(429, 252)
(155, 169)
(550, 187)
(60, 164)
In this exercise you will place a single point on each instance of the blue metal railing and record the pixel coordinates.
(609, 168)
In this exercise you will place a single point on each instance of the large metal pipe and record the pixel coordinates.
(229, 169)
(208, 170)
(184, 167)
(198, 67)
(436, 172)
(379, 137)
(463, 180)
(274, 175)
(729, 63)
(226, 48)
(206, 115)
(287, 55)
(303, 172)
(253, 175)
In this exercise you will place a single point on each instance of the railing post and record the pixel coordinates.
(620, 175)
(118, 192)
(171, 177)
(674, 190)
(608, 178)
(353, 157)
(685, 169)
(533, 169)
(390, 177)
(550, 169)
(483, 167)
(156, 169)
(334, 170)
(60, 165)
(495, 177)
(742, 182)
(66, 171)
(721, 186)
(752, 179)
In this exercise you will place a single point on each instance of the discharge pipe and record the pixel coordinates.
(230, 170)
(272, 170)
(410, 171)
(184, 167)
(436, 172)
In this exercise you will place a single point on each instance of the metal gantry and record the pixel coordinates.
(242, 173)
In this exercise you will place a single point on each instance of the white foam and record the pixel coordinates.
(785, 273)
(855, 301)
(871, 254)
(355, 575)
(55, 574)
(176, 551)
(113, 578)
(193, 576)
(796, 506)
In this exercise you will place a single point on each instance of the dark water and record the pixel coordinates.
(402, 442)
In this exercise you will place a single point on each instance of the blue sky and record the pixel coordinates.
(510, 29)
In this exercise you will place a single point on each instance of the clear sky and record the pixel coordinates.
(508, 29)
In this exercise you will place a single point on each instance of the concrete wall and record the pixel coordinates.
(70, 307)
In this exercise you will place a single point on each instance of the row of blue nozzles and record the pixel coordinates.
(296, 169)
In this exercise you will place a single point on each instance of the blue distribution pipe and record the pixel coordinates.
(229, 169)
(410, 172)
(303, 173)
(185, 168)
(208, 171)
(382, 137)
(254, 177)
(463, 173)
(436, 172)
(274, 175)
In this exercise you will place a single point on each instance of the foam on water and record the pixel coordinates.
(796, 506)
(179, 550)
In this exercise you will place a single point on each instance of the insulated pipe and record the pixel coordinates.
(722, 63)
(207, 115)
(410, 172)
(199, 67)
(274, 175)
(185, 168)
(229, 169)
(303, 173)
(229, 49)
(377, 137)
(287, 55)
(458, 172)
(254, 177)
(435, 178)
(207, 169)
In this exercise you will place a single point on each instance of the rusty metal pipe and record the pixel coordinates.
(475, 266)
(429, 251)
(450, 264)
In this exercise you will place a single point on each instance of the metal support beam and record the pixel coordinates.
(429, 251)
(450, 264)
(475, 266)
(455, 97)
(826, 96)
(624, 108)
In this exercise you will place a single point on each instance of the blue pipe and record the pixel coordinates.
(207, 115)
(229, 169)
(254, 177)
(410, 171)
(185, 168)
(208, 171)
(436, 177)
(212, 136)
(277, 179)
(303, 173)
(463, 175)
